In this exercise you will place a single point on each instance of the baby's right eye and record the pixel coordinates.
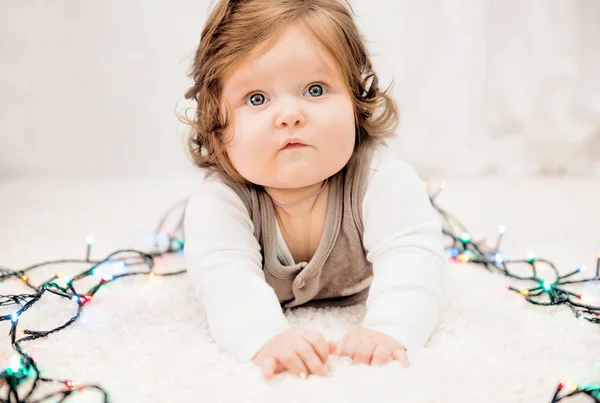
(258, 98)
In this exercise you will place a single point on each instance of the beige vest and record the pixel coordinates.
(338, 274)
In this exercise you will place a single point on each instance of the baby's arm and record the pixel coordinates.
(224, 264)
(402, 234)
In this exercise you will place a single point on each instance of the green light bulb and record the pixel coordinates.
(531, 257)
(547, 286)
(465, 237)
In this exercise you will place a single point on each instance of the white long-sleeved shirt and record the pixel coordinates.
(402, 237)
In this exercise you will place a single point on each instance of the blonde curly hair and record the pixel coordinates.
(236, 29)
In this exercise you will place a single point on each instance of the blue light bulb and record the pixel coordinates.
(498, 259)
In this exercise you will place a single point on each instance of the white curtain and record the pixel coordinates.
(508, 87)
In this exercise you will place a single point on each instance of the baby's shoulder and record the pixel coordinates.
(212, 189)
(387, 160)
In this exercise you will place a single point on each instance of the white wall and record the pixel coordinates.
(486, 87)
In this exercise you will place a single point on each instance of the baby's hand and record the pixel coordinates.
(366, 346)
(299, 351)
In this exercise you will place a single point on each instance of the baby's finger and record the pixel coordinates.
(311, 359)
(292, 362)
(269, 367)
(318, 343)
(348, 348)
(381, 355)
(401, 356)
(279, 368)
(364, 352)
(341, 346)
(333, 346)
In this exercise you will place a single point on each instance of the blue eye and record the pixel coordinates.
(257, 98)
(316, 90)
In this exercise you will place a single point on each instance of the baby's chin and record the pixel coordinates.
(292, 180)
(294, 176)
(290, 184)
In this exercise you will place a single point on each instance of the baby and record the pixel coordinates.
(301, 202)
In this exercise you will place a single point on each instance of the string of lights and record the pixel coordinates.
(541, 291)
(20, 380)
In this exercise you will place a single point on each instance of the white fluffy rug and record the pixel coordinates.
(144, 339)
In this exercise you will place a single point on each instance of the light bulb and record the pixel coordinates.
(531, 257)
(463, 257)
(453, 252)
(15, 363)
(498, 258)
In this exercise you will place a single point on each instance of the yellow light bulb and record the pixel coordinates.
(24, 278)
(524, 292)
(58, 275)
(151, 274)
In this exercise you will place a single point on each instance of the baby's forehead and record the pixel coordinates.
(250, 72)
(295, 54)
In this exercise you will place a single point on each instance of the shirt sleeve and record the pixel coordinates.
(224, 264)
(403, 240)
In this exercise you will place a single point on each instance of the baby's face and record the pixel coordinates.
(294, 90)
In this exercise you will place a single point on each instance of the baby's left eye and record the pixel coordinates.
(316, 90)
